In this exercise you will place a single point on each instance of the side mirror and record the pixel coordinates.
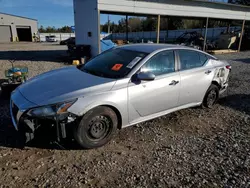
(146, 76)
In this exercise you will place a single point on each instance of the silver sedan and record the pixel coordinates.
(119, 88)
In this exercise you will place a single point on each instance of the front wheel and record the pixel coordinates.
(96, 128)
(211, 96)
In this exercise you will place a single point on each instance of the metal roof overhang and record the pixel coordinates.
(184, 8)
(18, 16)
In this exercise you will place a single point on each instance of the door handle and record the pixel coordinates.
(208, 72)
(173, 83)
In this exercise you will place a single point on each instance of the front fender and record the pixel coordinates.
(116, 99)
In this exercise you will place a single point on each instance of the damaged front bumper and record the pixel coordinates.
(18, 106)
(28, 125)
(54, 126)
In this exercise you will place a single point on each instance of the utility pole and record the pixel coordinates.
(158, 29)
(242, 33)
(205, 39)
(108, 24)
(127, 28)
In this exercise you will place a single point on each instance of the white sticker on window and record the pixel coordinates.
(133, 62)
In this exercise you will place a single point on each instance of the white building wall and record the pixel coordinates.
(63, 36)
(59, 36)
(14, 21)
(87, 21)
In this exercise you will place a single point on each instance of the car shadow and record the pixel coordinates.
(11, 138)
(247, 60)
(238, 102)
(8, 136)
(46, 55)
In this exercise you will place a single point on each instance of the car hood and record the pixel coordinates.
(63, 84)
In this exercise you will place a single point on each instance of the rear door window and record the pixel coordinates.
(203, 58)
(191, 59)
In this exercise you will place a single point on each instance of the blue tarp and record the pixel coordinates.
(106, 45)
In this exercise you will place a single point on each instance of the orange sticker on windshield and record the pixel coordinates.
(117, 67)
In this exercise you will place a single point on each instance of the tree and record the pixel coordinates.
(49, 29)
(149, 24)
(41, 29)
(176, 23)
(65, 29)
(134, 24)
(122, 25)
(240, 2)
(192, 23)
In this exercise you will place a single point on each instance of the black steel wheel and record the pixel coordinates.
(211, 96)
(99, 128)
(96, 127)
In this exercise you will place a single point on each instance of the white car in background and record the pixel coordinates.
(51, 38)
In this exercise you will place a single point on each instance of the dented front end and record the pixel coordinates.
(27, 118)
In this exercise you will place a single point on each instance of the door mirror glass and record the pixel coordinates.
(146, 76)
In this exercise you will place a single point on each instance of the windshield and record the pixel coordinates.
(115, 63)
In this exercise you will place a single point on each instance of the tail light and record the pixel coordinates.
(229, 67)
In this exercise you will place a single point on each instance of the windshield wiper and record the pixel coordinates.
(93, 72)
(100, 74)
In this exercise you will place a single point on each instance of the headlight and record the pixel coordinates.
(42, 111)
(51, 110)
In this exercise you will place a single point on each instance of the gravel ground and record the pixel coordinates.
(190, 148)
(38, 57)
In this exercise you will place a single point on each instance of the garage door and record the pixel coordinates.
(5, 33)
(24, 33)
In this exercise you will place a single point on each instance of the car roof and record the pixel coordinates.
(149, 48)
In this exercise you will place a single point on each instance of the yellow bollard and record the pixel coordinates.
(76, 62)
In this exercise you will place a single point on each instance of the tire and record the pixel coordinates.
(211, 97)
(96, 128)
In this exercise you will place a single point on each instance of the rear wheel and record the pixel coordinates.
(211, 96)
(96, 128)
